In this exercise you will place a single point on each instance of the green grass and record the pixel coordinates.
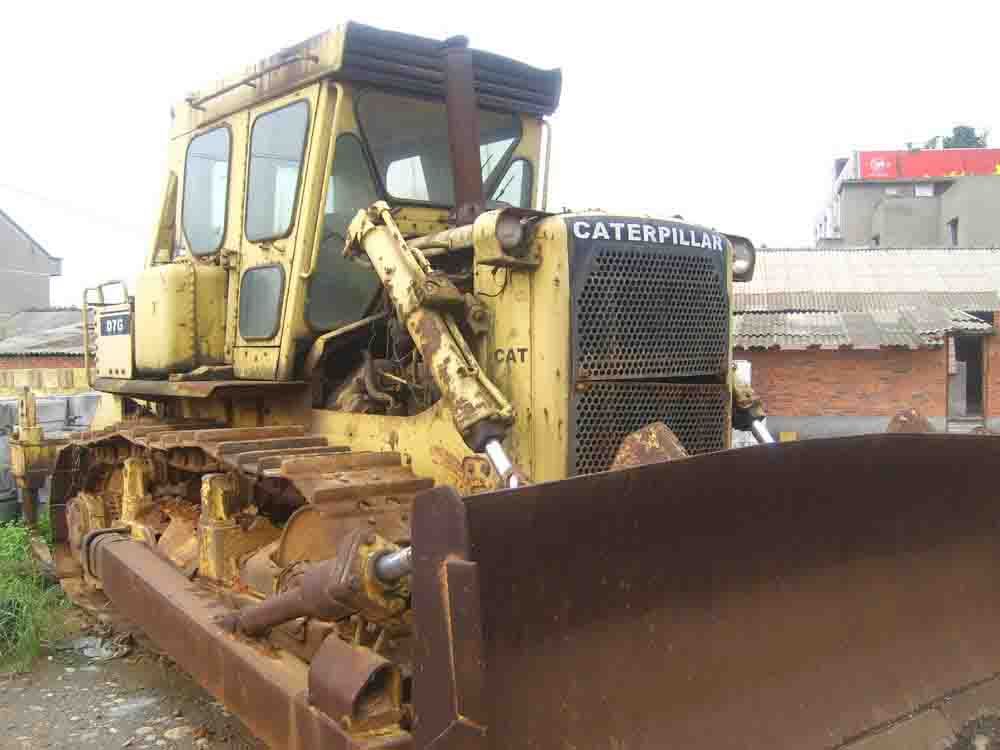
(30, 609)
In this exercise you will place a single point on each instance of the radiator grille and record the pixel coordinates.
(606, 412)
(647, 313)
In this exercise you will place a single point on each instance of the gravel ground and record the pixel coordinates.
(140, 700)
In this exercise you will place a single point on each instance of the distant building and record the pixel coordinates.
(25, 269)
(838, 341)
(42, 350)
(923, 198)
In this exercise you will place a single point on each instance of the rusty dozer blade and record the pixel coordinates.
(804, 595)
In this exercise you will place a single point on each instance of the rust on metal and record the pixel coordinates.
(784, 596)
(331, 590)
(255, 461)
(156, 389)
(357, 685)
(179, 540)
(652, 444)
(307, 537)
(463, 129)
(271, 694)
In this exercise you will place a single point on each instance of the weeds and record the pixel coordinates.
(29, 607)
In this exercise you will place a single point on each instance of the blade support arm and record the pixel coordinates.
(423, 302)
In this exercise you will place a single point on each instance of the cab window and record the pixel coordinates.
(277, 146)
(408, 138)
(260, 302)
(514, 188)
(341, 290)
(206, 188)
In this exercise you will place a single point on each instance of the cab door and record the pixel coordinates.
(211, 164)
(277, 154)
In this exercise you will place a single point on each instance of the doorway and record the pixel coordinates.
(966, 382)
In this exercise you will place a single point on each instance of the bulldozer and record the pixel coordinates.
(392, 456)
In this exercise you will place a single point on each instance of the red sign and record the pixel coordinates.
(949, 162)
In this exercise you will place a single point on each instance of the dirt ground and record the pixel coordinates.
(139, 700)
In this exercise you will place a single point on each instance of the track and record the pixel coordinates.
(182, 524)
(238, 508)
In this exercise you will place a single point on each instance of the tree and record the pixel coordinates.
(962, 136)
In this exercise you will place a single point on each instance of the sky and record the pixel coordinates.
(729, 114)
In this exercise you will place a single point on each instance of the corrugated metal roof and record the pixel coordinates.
(963, 322)
(64, 340)
(819, 301)
(853, 279)
(35, 321)
(870, 330)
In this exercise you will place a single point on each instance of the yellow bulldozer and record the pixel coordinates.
(383, 459)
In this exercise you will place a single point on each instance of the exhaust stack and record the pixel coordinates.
(463, 129)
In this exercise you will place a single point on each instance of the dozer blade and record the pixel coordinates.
(818, 594)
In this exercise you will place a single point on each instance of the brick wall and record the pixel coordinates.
(991, 375)
(854, 383)
(39, 363)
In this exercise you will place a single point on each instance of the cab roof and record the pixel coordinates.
(385, 59)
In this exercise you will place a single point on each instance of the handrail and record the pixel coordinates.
(86, 339)
(100, 293)
(197, 102)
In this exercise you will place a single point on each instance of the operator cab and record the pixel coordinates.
(266, 171)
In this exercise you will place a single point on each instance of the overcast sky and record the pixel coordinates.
(727, 113)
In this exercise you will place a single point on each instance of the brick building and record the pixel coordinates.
(43, 350)
(840, 340)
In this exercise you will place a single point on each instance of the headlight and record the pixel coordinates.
(501, 238)
(744, 257)
(510, 232)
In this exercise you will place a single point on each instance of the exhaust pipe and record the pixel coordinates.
(463, 129)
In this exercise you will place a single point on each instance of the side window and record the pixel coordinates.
(515, 186)
(260, 302)
(277, 145)
(340, 289)
(206, 188)
(406, 177)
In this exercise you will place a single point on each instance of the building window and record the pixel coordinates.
(924, 190)
(953, 232)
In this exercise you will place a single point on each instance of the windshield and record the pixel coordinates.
(408, 138)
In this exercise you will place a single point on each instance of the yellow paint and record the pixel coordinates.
(530, 313)
(115, 354)
(180, 314)
(222, 541)
(528, 304)
(429, 440)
